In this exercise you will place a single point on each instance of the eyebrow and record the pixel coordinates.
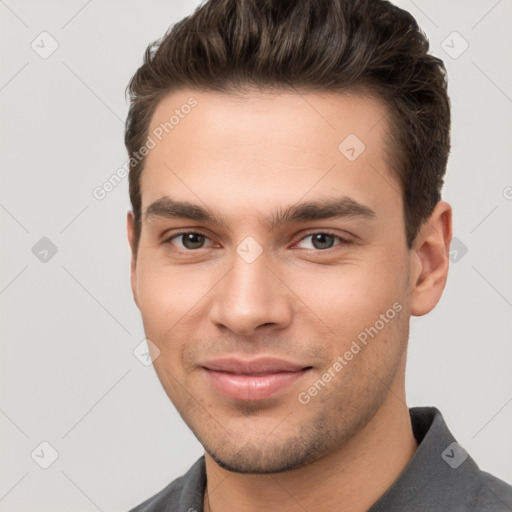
(321, 209)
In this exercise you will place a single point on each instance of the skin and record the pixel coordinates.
(244, 158)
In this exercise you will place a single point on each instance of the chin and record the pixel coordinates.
(265, 457)
(252, 461)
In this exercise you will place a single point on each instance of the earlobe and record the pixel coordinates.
(430, 265)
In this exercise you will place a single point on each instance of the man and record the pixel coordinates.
(287, 159)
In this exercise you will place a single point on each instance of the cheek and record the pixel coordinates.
(163, 303)
(167, 293)
(350, 298)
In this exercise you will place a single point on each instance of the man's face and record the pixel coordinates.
(251, 315)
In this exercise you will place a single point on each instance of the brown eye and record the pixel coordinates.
(192, 240)
(189, 240)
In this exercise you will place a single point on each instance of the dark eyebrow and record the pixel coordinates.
(167, 208)
(322, 209)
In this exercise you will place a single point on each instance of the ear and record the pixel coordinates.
(430, 251)
(130, 227)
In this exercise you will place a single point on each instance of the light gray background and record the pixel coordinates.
(69, 325)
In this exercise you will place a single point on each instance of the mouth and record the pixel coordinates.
(253, 380)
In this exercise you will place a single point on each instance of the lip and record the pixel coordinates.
(253, 380)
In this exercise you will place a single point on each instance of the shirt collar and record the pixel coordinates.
(432, 474)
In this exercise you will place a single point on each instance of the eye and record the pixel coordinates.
(190, 240)
(322, 240)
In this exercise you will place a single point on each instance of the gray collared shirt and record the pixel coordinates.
(440, 477)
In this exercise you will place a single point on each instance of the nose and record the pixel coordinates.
(250, 298)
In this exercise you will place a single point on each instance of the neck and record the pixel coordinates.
(353, 477)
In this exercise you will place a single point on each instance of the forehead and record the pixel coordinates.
(270, 117)
(263, 149)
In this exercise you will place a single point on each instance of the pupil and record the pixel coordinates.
(192, 240)
(321, 238)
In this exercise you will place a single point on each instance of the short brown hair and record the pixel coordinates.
(309, 45)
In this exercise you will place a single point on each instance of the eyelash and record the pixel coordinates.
(343, 241)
